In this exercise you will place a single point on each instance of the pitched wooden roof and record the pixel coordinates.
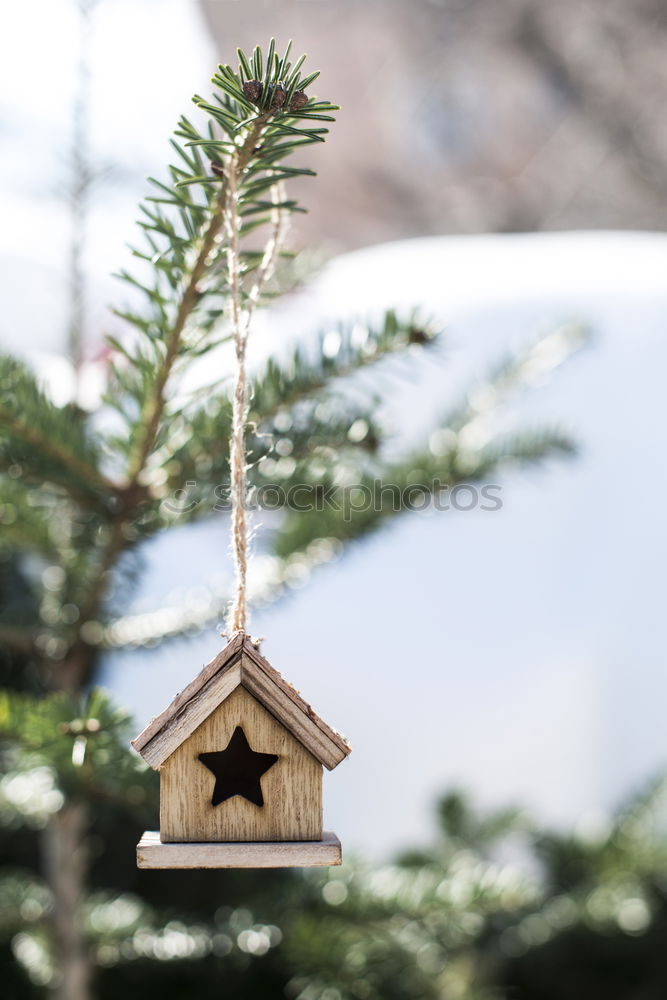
(239, 663)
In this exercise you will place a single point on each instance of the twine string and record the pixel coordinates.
(240, 323)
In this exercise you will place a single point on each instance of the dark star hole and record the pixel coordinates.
(238, 769)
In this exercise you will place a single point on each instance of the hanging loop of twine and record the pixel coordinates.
(237, 456)
(240, 322)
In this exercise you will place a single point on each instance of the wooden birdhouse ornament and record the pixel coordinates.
(240, 756)
(240, 753)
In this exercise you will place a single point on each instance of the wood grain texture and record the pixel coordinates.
(292, 787)
(239, 663)
(152, 853)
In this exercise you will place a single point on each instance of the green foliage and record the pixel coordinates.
(345, 349)
(88, 497)
(469, 445)
(79, 743)
(496, 907)
(461, 920)
(45, 444)
(183, 287)
(304, 401)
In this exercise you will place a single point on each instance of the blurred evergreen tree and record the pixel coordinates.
(81, 492)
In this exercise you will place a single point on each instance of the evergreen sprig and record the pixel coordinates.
(285, 396)
(41, 442)
(475, 441)
(344, 349)
(184, 287)
(81, 739)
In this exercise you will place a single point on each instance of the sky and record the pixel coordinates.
(517, 653)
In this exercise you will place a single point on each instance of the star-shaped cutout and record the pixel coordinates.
(237, 770)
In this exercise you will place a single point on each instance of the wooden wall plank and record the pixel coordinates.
(292, 787)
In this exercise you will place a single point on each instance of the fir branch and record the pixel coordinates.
(24, 524)
(282, 387)
(190, 263)
(270, 579)
(309, 539)
(154, 405)
(471, 447)
(48, 442)
(155, 402)
(341, 351)
(420, 471)
(82, 738)
(190, 260)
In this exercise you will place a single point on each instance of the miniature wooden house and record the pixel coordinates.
(240, 756)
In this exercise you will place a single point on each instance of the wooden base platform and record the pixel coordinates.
(152, 853)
